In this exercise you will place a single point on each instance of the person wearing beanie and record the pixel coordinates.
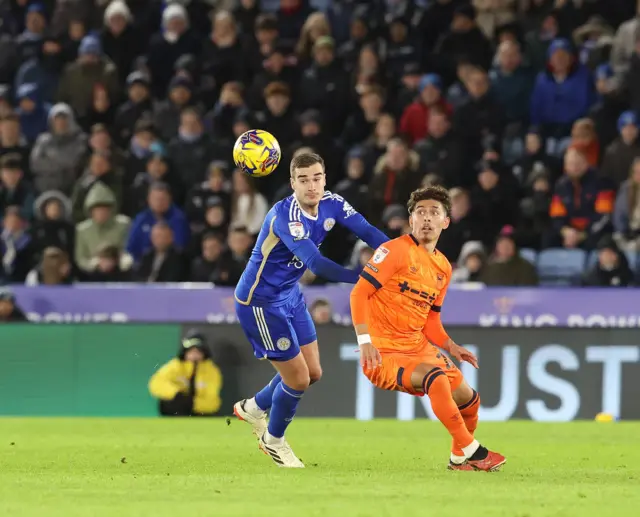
(80, 78)
(30, 41)
(562, 94)
(470, 264)
(190, 383)
(121, 42)
(621, 154)
(415, 119)
(175, 39)
(33, 112)
(10, 312)
(611, 268)
(506, 267)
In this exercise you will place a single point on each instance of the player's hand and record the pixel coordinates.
(370, 358)
(460, 353)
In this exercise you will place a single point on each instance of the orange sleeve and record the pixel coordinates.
(383, 264)
(557, 208)
(433, 330)
(604, 201)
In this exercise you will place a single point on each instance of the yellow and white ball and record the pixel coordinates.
(256, 153)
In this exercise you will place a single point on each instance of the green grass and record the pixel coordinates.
(158, 468)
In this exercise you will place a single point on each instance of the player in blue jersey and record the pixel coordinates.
(270, 306)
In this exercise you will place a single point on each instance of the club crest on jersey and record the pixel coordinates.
(283, 344)
(328, 224)
(380, 254)
(440, 280)
(296, 229)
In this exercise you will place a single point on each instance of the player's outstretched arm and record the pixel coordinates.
(303, 248)
(364, 230)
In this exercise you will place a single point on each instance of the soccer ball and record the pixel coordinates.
(256, 153)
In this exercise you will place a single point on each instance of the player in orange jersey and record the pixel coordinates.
(395, 308)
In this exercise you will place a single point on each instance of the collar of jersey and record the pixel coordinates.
(308, 216)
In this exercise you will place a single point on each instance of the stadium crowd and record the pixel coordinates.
(117, 120)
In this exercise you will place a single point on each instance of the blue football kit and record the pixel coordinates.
(269, 304)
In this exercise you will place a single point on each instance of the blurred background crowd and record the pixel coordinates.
(117, 120)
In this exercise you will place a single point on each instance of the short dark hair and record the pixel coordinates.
(304, 160)
(435, 193)
(11, 161)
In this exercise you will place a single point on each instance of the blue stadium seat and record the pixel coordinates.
(559, 266)
(530, 255)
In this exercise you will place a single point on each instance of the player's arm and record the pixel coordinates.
(348, 217)
(375, 274)
(436, 334)
(308, 253)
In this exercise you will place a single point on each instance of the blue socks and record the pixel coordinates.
(285, 403)
(264, 398)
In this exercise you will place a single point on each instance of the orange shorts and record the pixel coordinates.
(395, 371)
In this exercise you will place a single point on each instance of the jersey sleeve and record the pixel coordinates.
(294, 236)
(437, 305)
(350, 218)
(384, 263)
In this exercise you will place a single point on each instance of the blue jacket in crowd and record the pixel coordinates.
(140, 236)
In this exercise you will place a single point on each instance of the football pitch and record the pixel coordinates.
(205, 467)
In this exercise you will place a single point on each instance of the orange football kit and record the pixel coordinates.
(399, 296)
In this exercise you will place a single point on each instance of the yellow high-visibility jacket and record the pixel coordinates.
(174, 377)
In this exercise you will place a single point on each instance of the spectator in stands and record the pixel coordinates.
(415, 119)
(626, 215)
(79, 79)
(535, 158)
(191, 149)
(457, 93)
(538, 40)
(479, 117)
(464, 40)
(214, 188)
(54, 269)
(100, 142)
(470, 263)
(163, 262)
(74, 34)
(9, 310)
(394, 220)
(216, 220)
(15, 190)
(563, 93)
(120, 40)
(506, 267)
(144, 136)
(512, 83)
(265, 34)
(611, 269)
(622, 153)
(534, 208)
(376, 145)
(273, 68)
(44, 69)
(400, 48)
(229, 109)
(321, 311)
(315, 26)
(610, 103)
(360, 35)
(493, 14)
(585, 139)
(57, 153)
(157, 169)
(138, 106)
(354, 187)
(107, 267)
(204, 267)
(222, 57)
(407, 89)
(103, 226)
(581, 206)
(98, 171)
(16, 247)
(32, 111)
(291, 18)
(361, 124)
(324, 86)
(53, 225)
(175, 39)
(12, 142)
(160, 208)
(30, 41)
(235, 258)
(167, 113)
(102, 110)
(441, 152)
(248, 207)
(464, 226)
(625, 45)
(394, 176)
(279, 118)
(189, 384)
(368, 71)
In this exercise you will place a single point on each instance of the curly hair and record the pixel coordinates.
(433, 192)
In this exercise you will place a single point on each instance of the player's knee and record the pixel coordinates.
(315, 375)
(299, 381)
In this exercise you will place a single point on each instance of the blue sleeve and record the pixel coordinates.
(308, 253)
(348, 217)
(537, 99)
(133, 242)
(181, 231)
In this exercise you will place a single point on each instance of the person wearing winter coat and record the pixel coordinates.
(506, 267)
(626, 213)
(52, 225)
(470, 263)
(103, 226)
(33, 112)
(57, 154)
(190, 383)
(622, 153)
(611, 269)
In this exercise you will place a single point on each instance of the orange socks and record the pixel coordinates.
(436, 385)
(469, 412)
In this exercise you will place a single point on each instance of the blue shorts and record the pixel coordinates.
(277, 333)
